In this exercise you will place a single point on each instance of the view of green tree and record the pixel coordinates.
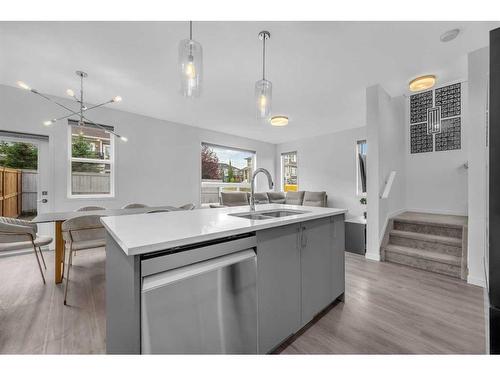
(81, 148)
(230, 173)
(18, 155)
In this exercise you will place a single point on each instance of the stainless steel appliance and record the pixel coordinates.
(207, 307)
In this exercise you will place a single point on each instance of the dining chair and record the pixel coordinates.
(16, 234)
(135, 205)
(81, 233)
(90, 208)
(187, 207)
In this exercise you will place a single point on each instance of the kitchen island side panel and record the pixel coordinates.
(123, 300)
(338, 257)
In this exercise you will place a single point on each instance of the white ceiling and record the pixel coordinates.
(319, 70)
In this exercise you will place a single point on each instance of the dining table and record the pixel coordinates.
(59, 217)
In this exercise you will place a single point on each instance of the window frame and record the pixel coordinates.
(213, 183)
(359, 192)
(71, 159)
(282, 169)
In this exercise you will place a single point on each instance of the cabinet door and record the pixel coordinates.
(338, 255)
(316, 266)
(278, 285)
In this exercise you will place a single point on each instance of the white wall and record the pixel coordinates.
(328, 163)
(478, 68)
(436, 182)
(159, 165)
(386, 147)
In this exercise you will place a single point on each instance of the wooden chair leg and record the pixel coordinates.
(67, 275)
(41, 254)
(63, 259)
(39, 265)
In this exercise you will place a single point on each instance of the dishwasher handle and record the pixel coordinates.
(168, 277)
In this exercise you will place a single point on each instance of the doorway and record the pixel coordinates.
(25, 177)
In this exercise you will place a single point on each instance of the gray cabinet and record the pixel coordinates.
(278, 285)
(316, 267)
(355, 235)
(300, 271)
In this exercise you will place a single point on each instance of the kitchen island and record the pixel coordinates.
(222, 280)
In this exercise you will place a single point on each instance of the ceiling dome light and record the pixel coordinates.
(117, 99)
(422, 83)
(70, 92)
(449, 35)
(124, 139)
(49, 122)
(279, 121)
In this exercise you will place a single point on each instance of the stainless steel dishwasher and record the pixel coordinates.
(207, 307)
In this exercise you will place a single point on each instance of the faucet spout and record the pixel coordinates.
(252, 183)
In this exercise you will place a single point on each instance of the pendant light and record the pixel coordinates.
(263, 88)
(190, 64)
(81, 112)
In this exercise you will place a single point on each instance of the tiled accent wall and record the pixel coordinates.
(449, 101)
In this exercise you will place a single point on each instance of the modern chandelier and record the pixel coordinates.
(82, 111)
(263, 87)
(190, 64)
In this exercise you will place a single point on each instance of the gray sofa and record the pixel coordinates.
(298, 198)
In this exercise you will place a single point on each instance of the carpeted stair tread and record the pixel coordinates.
(452, 241)
(423, 254)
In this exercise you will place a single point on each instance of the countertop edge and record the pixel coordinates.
(132, 251)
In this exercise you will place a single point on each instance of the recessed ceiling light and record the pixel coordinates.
(279, 121)
(449, 35)
(422, 83)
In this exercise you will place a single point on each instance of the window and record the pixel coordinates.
(361, 167)
(289, 171)
(224, 169)
(91, 164)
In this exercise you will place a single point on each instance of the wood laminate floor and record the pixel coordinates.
(388, 309)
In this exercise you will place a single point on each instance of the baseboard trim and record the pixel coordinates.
(373, 256)
(389, 216)
(479, 281)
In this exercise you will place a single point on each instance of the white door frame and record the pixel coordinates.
(44, 178)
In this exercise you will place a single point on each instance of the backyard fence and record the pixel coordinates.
(211, 189)
(90, 183)
(10, 192)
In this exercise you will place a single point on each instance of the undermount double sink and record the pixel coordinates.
(264, 215)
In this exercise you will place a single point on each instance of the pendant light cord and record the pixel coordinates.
(81, 98)
(264, 58)
(190, 30)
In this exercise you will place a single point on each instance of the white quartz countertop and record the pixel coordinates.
(144, 233)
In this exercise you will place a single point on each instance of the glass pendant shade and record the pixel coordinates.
(190, 67)
(263, 96)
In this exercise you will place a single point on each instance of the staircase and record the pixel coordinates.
(435, 243)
